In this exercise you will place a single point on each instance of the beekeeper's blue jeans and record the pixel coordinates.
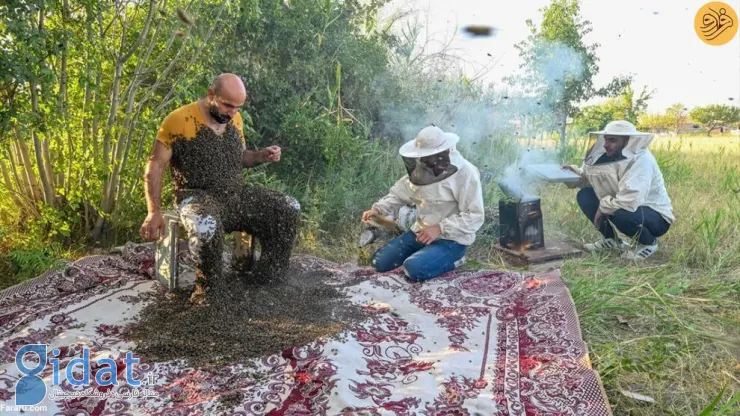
(645, 225)
(419, 261)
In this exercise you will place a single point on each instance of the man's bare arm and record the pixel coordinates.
(252, 158)
(158, 160)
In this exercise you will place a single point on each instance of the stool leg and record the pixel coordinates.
(243, 251)
(166, 258)
(174, 234)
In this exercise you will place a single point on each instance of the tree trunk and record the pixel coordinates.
(112, 111)
(104, 202)
(25, 159)
(49, 169)
(14, 170)
(87, 213)
(8, 184)
(95, 128)
(86, 134)
(63, 104)
(20, 179)
(109, 187)
(25, 192)
(39, 148)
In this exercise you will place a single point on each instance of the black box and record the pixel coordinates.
(520, 224)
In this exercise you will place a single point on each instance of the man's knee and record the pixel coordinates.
(293, 203)
(202, 227)
(623, 217)
(628, 223)
(586, 197)
(414, 268)
(380, 263)
(287, 208)
(198, 222)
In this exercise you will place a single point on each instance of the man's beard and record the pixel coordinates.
(220, 118)
(437, 163)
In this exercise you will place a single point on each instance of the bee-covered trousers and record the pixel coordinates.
(270, 216)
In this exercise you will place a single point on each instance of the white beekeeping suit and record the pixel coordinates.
(453, 199)
(628, 183)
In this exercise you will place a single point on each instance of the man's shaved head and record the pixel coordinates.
(225, 97)
(230, 87)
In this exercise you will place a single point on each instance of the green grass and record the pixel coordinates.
(670, 328)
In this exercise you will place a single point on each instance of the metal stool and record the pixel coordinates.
(166, 264)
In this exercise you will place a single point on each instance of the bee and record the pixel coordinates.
(479, 30)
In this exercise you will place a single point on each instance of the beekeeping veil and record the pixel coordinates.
(429, 158)
(637, 143)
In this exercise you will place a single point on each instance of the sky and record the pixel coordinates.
(654, 40)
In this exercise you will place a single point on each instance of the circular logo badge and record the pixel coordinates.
(716, 23)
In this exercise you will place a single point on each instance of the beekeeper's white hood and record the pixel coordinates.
(638, 141)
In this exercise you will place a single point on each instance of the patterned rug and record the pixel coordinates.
(468, 343)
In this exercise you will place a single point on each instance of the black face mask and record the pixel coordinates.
(220, 118)
(430, 169)
(438, 163)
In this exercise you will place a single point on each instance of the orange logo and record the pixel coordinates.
(716, 23)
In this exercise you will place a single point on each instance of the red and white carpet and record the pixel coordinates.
(468, 343)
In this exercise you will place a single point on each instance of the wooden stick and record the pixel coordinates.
(385, 222)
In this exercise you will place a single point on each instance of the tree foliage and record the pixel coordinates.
(626, 106)
(558, 65)
(715, 116)
(672, 120)
(676, 115)
(84, 85)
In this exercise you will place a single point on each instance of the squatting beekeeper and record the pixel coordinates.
(203, 142)
(446, 190)
(622, 187)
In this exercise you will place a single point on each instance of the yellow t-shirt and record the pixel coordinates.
(186, 121)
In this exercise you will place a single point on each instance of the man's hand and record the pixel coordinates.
(429, 234)
(574, 170)
(270, 154)
(153, 227)
(599, 218)
(367, 214)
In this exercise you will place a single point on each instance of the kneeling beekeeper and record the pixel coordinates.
(621, 185)
(446, 190)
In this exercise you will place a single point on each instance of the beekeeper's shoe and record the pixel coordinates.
(606, 244)
(641, 252)
(460, 262)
